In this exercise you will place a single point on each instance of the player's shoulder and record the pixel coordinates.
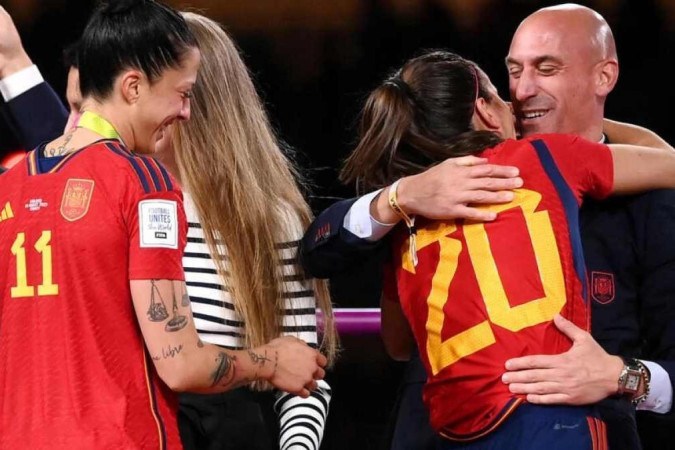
(147, 173)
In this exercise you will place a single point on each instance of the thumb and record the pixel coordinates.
(568, 328)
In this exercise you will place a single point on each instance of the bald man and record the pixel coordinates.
(562, 65)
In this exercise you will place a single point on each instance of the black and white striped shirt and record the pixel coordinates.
(301, 421)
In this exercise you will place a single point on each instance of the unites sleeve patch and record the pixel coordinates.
(158, 223)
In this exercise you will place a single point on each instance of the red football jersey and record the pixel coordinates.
(73, 231)
(483, 293)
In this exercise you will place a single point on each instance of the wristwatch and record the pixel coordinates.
(634, 375)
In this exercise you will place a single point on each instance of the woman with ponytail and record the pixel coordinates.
(473, 295)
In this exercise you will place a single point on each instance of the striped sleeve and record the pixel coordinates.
(302, 420)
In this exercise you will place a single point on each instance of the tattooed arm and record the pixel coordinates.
(186, 364)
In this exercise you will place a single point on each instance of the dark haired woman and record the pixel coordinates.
(474, 294)
(95, 322)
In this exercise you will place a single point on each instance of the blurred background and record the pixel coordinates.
(314, 61)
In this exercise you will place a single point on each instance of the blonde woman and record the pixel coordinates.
(243, 205)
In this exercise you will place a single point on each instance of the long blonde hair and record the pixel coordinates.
(243, 187)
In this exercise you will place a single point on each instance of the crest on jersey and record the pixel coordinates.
(76, 198)
(602, 287)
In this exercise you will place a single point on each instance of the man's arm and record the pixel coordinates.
(36, 112)
(654, 216)
(338, 240)
(626, 133)
(184, 363)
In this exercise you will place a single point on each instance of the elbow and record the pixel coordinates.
(177, 377)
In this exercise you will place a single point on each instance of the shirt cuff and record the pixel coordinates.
(19, 82)
(360, 223)
(660, 397)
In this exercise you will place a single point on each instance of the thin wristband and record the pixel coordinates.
(409, 221)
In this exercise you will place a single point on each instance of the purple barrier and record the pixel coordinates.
(355, 321)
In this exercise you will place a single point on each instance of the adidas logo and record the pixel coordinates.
(6, 212)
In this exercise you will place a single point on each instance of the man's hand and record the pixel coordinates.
(296, 366)
(446, 190)
(13, 57)
(583, 375)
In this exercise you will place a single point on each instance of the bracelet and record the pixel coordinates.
(646, 380)
(409, 221)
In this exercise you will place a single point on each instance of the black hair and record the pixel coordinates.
(139, 34)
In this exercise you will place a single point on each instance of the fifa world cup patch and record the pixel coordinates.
(158, 223)
(602, 287)
(76, 199)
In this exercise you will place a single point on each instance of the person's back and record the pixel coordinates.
(492, 290)
(75, 370)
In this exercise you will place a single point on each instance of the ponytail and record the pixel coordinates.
(419, 117)
(384, 123)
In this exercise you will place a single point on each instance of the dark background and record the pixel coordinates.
(315, 60)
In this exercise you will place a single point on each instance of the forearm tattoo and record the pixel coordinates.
(178, 321)
(169, 352)
(259, 360)
(224, 371)
(157, 309)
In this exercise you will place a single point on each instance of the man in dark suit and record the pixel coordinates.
(35, 111)
(558, 84)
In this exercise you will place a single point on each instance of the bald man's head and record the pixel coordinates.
(562, 64)
(586, 26)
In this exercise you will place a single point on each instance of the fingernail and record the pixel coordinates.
(505, 378)
(519, 182)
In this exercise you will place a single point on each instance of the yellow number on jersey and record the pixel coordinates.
(22, 288)
(443, 353)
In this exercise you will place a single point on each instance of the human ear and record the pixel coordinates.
(130, 84)
(607, 74)
(484, 116)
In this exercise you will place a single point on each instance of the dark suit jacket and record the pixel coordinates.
(37, 115)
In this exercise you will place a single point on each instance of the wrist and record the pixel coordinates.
(380, 209)
(614, 373)
(402, 194)
(264, 362)
(15, 64)
(634, 380)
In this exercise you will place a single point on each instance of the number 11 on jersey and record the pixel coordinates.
(43, 247)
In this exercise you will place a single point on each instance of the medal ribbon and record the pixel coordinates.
(93, 122)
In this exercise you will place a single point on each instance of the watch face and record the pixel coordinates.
(632, 382)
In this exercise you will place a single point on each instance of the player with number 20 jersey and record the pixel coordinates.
(483, 293)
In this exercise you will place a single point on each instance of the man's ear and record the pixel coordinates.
(607, 74)
(130, 85)
(484, 117)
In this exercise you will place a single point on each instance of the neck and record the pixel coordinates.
(115, 116)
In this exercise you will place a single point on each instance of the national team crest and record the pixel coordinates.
(602, 287)
(76, 198)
